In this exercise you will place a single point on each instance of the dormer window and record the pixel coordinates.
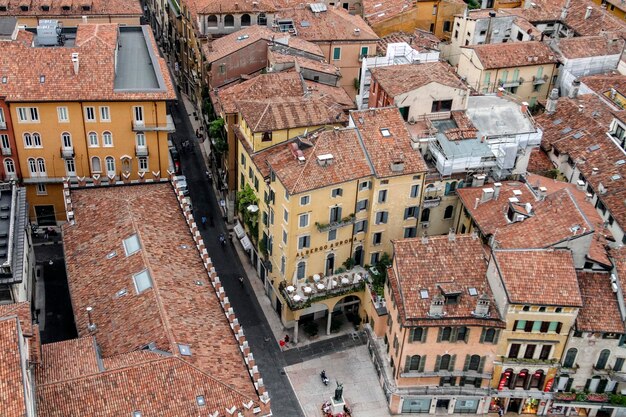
(66, 8)
(452, 299)
(3, 8)
(45, 8)
(86, 8)
(24, 8)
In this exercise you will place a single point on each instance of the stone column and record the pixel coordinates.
(330, 317)
(295, 332)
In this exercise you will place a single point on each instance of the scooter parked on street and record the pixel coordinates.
(324, 377)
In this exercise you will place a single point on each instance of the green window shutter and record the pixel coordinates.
(481, 365)
(439, 334)
(453, 334)
(407, 363)
(452, 361)
(496, 337)
(437, 363)
(515, 75)
(568, 386)
(467, 332)
(422, 363)
(536, 326)
(424, 333)
(467, 361)
(587, 384)
(411, 335)
(482, 335)
(539, 72)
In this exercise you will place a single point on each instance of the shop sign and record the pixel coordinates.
(549, 384)
(325, 247)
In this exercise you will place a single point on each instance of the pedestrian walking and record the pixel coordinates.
(282, 344)
(500, 411)
(286, 338)
(204, 222)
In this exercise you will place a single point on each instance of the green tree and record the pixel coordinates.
(246, 198)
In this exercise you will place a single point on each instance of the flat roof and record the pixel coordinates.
(497, 116)
(135, 61)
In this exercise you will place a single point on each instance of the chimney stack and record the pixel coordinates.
(496, 190)
(436, 306)
(75, 62)
(451, 235)
(482, 306)
(524, 107)
(91, 325)
(543, 191)
(500, 92)
(573, 93)
(588, 12)
(552, 100)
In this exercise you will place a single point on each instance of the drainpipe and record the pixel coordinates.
(82, 118)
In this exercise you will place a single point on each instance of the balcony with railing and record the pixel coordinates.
(141, 126)
(67, 152)
(346, 221)
(141, 150)
(7, 152)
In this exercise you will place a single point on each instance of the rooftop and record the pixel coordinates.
(74, 8)
(13, 222)
(113, 63)
(278, 101)
(376, 11)
(275, 56)
(11, 372)
(227, 6)
(425, 268)
(226, 45)
(513, 54)
(334, 24)
(538, 277)
(400, 79)
(600, 312)
(498, 116)
(588, 46)
(147, 286)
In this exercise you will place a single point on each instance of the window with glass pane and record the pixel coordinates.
(143, 281)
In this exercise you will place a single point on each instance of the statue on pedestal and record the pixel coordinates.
(338, 392)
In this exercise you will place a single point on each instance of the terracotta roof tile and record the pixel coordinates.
(387, 141)
(544, 277)
(376, 11)
(68, 359)
(277, 101)
(335, 24)
(600, 312)
(513, 54)
(437, 264)
(96, 45)
(23, 313)
(399, 79)
(97, 8)
(311, 64)
(12, 383)
(229, 6)
(226, 45)
(175, 310)
(589, 46)
(539, 162)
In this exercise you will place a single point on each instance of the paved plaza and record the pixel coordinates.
(351, 367)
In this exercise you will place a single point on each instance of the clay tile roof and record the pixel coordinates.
(588, 46)
(22, 311)
(376, 11)
(513, 54)
(543, 277)
(96, 45)
(436, 266)
(335, 24)
(275, 57)
(175, 310)
(230, 6)
(277, 101)
(420, 40)
(390, 147)
(600, 312)
(226, 45)
(348, 161)
(106, 8)
(68, 359)
(167, 387)
(12, 383)
(399, 79)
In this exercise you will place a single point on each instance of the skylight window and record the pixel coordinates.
(200, 400)
(593, 148)
(184, 350)
(385, 132)
(472, 291)
(111, 255)
(578, 135)
(143, 281)
(131, 244)
(423, 294)
(136, 413)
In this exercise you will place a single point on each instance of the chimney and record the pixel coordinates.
(500, 92)
(564, 13)
(580, 184)
(496, 190)
(482, 306)
(543, 191)
(451, 235)
(552, 100)
(478, 180)
(613, 93)
(424, 239)
(476, 203)
(524, 107)
(75, 62)
(436, 306)
(236, 6)
(588, 12)
(91, 325)
(486, 195)
(573, 93)
(84, 19)
(581, 108)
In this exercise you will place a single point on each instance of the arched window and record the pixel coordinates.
(93, 139)
(603, 359)
(261, 19)
(452, 187)
(448, 213)
(358, 256)
(521, 379)
(446, 333)
(41, 165)
(32, 166)
(211, 21)
(28, 140)
(462, 333)
(474, 363)
(110, 163)
(536, 381)
(107, 139)
(126, 164)
(330, 264)
(229, 21)
(425, 215)
(245, 20)
(37, 140)
(95, 165)
(490, 335)
(66, 140)
(301, 271)
(445, 362)
(570, 357)
(9, 166)
(414, 363)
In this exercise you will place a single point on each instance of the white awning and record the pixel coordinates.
(239, 230)
(245, 242)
